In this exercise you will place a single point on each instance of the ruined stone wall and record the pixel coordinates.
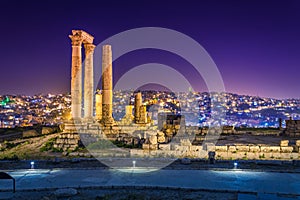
(225, 130)
(292, 127)
(67, 141)
(229, 152)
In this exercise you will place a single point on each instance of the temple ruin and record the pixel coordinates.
(97, 118)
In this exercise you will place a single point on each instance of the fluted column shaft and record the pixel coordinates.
(76, 79)
(88, 81)
(107, 85)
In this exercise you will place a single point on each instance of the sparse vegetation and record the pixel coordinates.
(29, 148)
(123, 145)
(9, 145)
(262, 156)
(49, 145)
(11, 157)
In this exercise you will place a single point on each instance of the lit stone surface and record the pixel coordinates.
(137, 107)
(78, 38)
(284, 143)
(76, 77)
(98, 106)
(107, 96)
(88, 81)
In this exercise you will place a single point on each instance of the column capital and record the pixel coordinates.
(76, 40)
(89, 48)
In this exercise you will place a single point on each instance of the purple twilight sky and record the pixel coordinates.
(255, 44)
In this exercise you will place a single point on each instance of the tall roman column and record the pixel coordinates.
(137, 107)
(107, 85)
(76, 79)
(88, 81)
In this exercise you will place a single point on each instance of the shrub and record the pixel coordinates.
(48, 145)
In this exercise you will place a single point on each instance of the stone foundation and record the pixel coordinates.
(67, 141)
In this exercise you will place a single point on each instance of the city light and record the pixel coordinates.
(241, 110)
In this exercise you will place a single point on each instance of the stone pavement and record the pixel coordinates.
(249, 184)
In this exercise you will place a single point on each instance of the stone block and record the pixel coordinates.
(284, 143)
(161, 139)
(274, 148)
(286, 156)
(58, 141)
(164, 147)
(181, 148)
(153, 139)
(221, 155)
(72, 141)
(195, 148)
(276, 155)
(295, 155)
(252, 155)
(30, 133)
(232, 148)
(254, 149)
(265, 149)
(153, 146)
(242, 148)
(209, 147)
(221, 148)
(239, 155)
(48, 130)
(286, 149)
(146, 146)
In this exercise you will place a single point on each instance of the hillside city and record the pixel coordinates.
(239, 110)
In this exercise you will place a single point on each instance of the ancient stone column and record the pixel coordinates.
(137, 107)
(98, 106)
(128, 110)
(107, 96)
(76, 79)
(143, 114)
(88, 81)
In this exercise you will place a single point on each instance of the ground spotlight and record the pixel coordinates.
(32, 164)
(133, 163)
(235, 164)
